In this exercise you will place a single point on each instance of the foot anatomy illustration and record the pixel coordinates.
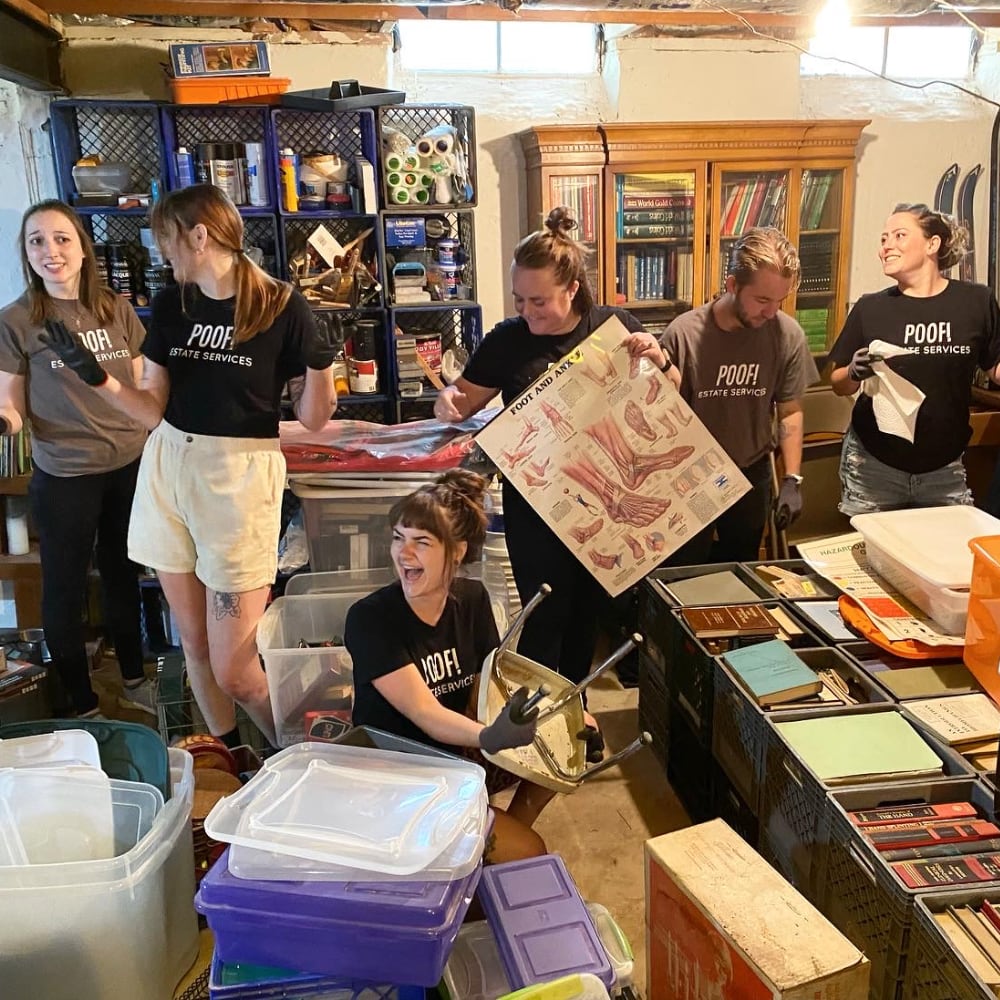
(632, 467)
(653, 390)
(535, 481)
(530, 430)
(667, 424)
(558, 423)
(677, 412)
(622, 506)
(605, 560)
(635, 547)
(599, 367)
(655, 541)
(635, 420)
(539, 468)
(515, 458)
(582, 534)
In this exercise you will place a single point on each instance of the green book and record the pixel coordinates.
(772, 673)
(724, 587)
(862, 747)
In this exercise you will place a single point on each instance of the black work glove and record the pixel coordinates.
(595, 744)
(73, 352)
(860, 367)
(788, 505)
(513, 727)
(321, 345)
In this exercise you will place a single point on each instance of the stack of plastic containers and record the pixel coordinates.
(498, 576)
(96, 874)
(347, 862)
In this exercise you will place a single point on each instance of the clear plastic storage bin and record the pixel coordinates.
(316, 678)
(924, 553)
(105, 930)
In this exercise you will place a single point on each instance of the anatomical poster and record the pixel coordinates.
(612, 458)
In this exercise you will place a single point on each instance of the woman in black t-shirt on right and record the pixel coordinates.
(555, 312)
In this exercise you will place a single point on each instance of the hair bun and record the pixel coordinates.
(560, 220)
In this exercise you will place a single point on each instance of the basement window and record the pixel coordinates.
(517, 47)
(910, 53)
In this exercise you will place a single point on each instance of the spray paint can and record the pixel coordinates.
(256, 174)
(184, 160)
(288, 168)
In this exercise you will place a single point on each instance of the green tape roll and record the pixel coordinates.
(421, 196)
(399, 195)
(394, 178)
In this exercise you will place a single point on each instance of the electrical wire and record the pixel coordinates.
(847, 62)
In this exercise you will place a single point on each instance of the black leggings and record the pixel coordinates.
(69, 513)
(562, 631)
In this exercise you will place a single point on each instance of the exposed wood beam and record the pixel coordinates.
(27, 9)
(339, 11)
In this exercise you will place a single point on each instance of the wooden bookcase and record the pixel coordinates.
(662, 204)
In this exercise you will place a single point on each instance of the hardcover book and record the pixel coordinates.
(916, 835)
(729, 621)
(951, 871)
(772, 673)
(914, 813)
(962, 719)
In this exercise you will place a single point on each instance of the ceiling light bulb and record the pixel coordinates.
(832, 23)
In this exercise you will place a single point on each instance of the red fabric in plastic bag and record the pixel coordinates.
(360, 446)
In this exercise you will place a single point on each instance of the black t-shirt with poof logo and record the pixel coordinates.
(218, 387)
(382, 634)
(950, 334)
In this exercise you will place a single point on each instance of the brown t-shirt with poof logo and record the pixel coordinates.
(732, 379)
(75, 431)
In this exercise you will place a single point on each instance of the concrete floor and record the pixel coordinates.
(599, 829)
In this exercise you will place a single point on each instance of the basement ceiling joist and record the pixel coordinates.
(794, 15)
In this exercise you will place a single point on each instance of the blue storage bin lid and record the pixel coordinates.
(408, 906)
(541, 923)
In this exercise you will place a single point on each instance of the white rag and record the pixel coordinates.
(895, 400)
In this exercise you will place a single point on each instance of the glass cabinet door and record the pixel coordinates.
(744, 198)
(818, 302)
(581, 194)
(657, 259)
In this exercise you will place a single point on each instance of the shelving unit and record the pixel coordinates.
(148, 134)
(704, 183)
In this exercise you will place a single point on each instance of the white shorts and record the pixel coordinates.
(209, 506)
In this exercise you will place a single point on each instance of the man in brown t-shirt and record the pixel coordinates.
(739, 359)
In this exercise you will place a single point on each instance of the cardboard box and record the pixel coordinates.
(721, 923)
(220, 59)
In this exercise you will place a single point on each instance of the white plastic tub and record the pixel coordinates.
(924, 553)
(313, 679)
(105, 930)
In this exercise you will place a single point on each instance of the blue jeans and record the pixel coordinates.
(868, 485)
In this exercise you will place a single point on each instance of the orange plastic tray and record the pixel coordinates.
(908, 649)
(216, 89)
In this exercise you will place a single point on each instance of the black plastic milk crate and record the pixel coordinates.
(861, 894)
(414, 121)
(116, 131)
(794, 803)
(349, 134)
(454, 225)
(865, 653)
(690, 767)
(674, 574)
(457, 325)
(693, 666)
(188, 125)
(654, 701)
(738, 729)
(935, 970)
(296, 230)
(729, 805)
(372, 410)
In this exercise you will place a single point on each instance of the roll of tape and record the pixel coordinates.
(421, 195)
(394, 179)
(395, 162)
(399, 195)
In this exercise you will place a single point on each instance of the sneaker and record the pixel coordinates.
(141, 698)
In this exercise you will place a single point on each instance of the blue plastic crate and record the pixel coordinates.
(455, 324)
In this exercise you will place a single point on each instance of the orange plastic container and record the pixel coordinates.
(982, 630)
(216, 89)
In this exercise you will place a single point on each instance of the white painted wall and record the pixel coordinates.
(26, 169)
(913, 137)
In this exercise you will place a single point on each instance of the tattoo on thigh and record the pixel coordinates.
(227, 606)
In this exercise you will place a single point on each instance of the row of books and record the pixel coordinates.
(816, 256)
(15, 455)
(816, 186)
(815, 324)
(932, 845)
(655, 274)
(974, 932)
(580, 195)
(637, 195)
(757, 200)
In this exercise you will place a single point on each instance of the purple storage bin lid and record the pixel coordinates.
(541, 923)
(407, 905)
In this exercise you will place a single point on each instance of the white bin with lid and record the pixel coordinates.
(924, 553)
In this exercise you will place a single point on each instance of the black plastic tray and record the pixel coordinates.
(342, 95)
